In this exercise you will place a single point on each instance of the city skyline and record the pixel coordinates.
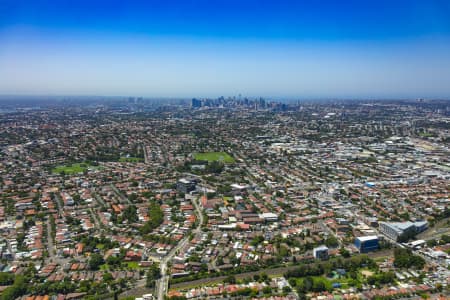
(214, 48)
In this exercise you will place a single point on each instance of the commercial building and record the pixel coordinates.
(186, 185)
(402, 231)
(321, 252)
(196, 103)
(366, 243)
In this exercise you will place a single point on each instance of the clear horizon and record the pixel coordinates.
(185, 49)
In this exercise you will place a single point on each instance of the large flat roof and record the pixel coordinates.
(323, 247)
(367, 238)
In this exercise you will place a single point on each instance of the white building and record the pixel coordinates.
(321, 252)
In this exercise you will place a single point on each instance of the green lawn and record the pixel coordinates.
(133, 265)
(345, 281)
(130, 159)
(71, 169)
(130, 265)
(214, 156)
(326, 282)
(426, 134)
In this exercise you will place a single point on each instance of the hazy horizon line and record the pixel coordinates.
(273, 98)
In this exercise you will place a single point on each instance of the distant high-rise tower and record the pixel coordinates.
(196, 103)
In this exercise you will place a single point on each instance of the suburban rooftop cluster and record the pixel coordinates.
(229, 197)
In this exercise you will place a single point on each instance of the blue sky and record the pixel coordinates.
(293, 49)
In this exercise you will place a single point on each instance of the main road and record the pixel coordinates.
(162, 285)
(50, 245)
(119, 194)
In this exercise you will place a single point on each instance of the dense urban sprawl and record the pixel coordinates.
(216, 198)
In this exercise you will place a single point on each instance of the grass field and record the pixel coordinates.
(214, 156)
(130, 159)
(426, 134)
(133, 265)
(72, 169)
(129, 265)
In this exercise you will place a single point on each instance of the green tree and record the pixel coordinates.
(156, 216)
(107, 277)
(319, 286)
(344, 252)
(153, 274)
(95, 261)
(331, 241)
(230, 279)
(6, 278)
(16, 290)
(404, 258)
(130, 214)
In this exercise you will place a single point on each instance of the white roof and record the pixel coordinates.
(367, 238)
(238, 186)
(268, 215)
(323, 247)
(418, 242)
